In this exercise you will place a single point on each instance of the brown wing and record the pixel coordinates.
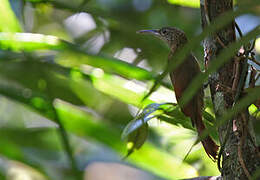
(181, 78)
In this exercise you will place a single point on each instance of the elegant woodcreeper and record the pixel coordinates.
(181, 77)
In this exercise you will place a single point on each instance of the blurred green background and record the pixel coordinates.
(80, 66)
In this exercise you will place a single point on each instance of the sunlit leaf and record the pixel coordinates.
(30, 42)
(9, 22)
(187, 3)
(74, 58)
(127, 91)
(148, 157)
(119, 88)
(257, 45)
(111, 65)
(254, 111)
(137, 138)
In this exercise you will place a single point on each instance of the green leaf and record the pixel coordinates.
(187, 3)
(37, 102)
(79, 122)
(37, 84)
(71, 55)
(148, 157)
(38, 148)
(49, 81)
(136, 131)
(9, 22)
(254, 111)
(136, 139)
(15, 146)
(176, 117)
(257, 45)
(30, 42)
(144, 117)
(118, 87)
(111, 65)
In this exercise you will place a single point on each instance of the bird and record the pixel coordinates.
(181, 77)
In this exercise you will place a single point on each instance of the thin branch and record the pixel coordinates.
(252, 46)
(240, 146)
(66, 145)
(254, 60)
(236, 76)
(238, 30)
(220, 41)
(257, 77)
(206, 11)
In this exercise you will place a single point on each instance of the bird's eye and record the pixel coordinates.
(163, 31)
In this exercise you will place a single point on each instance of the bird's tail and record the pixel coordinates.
(209, 145)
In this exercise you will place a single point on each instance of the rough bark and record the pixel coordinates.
(240, 160)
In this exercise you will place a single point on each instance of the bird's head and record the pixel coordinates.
(174, 37)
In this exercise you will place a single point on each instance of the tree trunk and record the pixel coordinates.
(239, 157)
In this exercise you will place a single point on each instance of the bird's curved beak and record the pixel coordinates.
(154, 32)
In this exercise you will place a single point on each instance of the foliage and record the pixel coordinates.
(69, 87)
